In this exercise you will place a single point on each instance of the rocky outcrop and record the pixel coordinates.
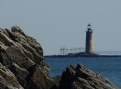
(22, 66)
(83, 78)
(22, 62)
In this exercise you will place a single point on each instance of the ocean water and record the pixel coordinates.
(109, 67)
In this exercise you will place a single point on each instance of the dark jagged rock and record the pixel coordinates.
(22, 57)
(20, 73)
(83, 78)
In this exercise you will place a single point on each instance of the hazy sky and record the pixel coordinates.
(62, 23)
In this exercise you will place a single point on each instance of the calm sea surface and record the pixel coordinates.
(108, 67)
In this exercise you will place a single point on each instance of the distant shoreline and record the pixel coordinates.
(79, 55)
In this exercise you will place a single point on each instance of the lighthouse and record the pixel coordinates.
(89, 49)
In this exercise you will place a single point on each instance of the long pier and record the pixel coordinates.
(65, 51)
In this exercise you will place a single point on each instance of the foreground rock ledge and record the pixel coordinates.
(83, 78)
(22, 62)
